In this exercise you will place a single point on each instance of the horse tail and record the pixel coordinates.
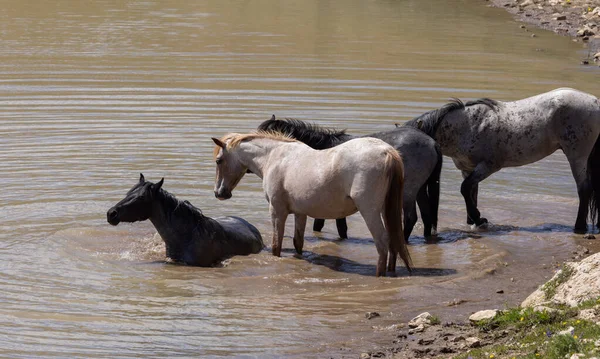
(593, 173)
(433, 187)
(392, 215)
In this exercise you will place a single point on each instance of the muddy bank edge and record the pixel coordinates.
(578, 19)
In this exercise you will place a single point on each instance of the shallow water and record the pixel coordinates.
(92, 93)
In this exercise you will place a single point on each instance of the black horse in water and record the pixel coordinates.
(190, 237)
(422, 159)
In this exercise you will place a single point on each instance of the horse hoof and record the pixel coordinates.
(580, 230)
(276, 252)
(481, 224)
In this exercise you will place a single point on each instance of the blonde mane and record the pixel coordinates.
(234, 139)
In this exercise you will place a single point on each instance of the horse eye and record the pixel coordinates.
(219, 160)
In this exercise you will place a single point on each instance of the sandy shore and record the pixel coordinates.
(579, 19)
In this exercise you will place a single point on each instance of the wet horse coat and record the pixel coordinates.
(362, 175)
(190, 237)
(484, 136)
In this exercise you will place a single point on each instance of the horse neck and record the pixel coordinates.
(174, 220)
(255, 154)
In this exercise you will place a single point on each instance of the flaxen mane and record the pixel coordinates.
(234, 139)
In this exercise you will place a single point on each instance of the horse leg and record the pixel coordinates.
(410, 218)
(467, 188)
(299, 226)
(474, 193)
(318, 224)
(426, 213)
(342, 227)
(584, 191)
(278, 218)
(377, 229)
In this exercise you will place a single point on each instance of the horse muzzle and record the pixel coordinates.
(112, 217)
(223, 194)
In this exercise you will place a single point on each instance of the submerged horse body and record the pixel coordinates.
(421, 156)
(484, 136)
(362, 175)
(190, 237)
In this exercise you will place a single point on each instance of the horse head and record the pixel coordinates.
(137, 204)
(229, 169)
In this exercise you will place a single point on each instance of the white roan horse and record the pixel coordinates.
(484, 136)
(364, 175)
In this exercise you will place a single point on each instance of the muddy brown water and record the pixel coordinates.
(94, 92)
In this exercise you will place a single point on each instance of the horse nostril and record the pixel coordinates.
(112, 214)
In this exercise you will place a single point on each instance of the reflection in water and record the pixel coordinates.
(94, 92)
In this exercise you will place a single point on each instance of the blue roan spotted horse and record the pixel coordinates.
(484, 136)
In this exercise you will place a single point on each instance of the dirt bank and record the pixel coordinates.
(579, 19)
(458, 337)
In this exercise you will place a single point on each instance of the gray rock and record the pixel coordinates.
(371, 315)
(457, 339)
(580, 283)
(418, 329)
(543, 308)
(585, 31)
(567, 331)
(483, 315)
(588, 314)
(473, 342)
(526, 3)
(421, 319)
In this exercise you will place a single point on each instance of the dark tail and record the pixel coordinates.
(593, 172)
(393, 209)
(433, 187)
(313, 135)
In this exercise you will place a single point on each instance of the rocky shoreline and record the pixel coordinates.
(578, 19)
(559, 320)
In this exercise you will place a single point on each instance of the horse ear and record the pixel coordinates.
(272, 117)
(419, 124)
(219, 142)
(397, 124)
(142, 179)
(158, 185)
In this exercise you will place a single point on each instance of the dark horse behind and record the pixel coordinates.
(190, 237)
(422, 159)
(484, 136)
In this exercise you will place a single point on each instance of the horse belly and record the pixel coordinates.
(324, 205)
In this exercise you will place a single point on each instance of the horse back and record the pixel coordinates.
(242, 237)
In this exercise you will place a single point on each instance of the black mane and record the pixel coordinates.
(315, 136)
(182, 211)
(429, 121)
